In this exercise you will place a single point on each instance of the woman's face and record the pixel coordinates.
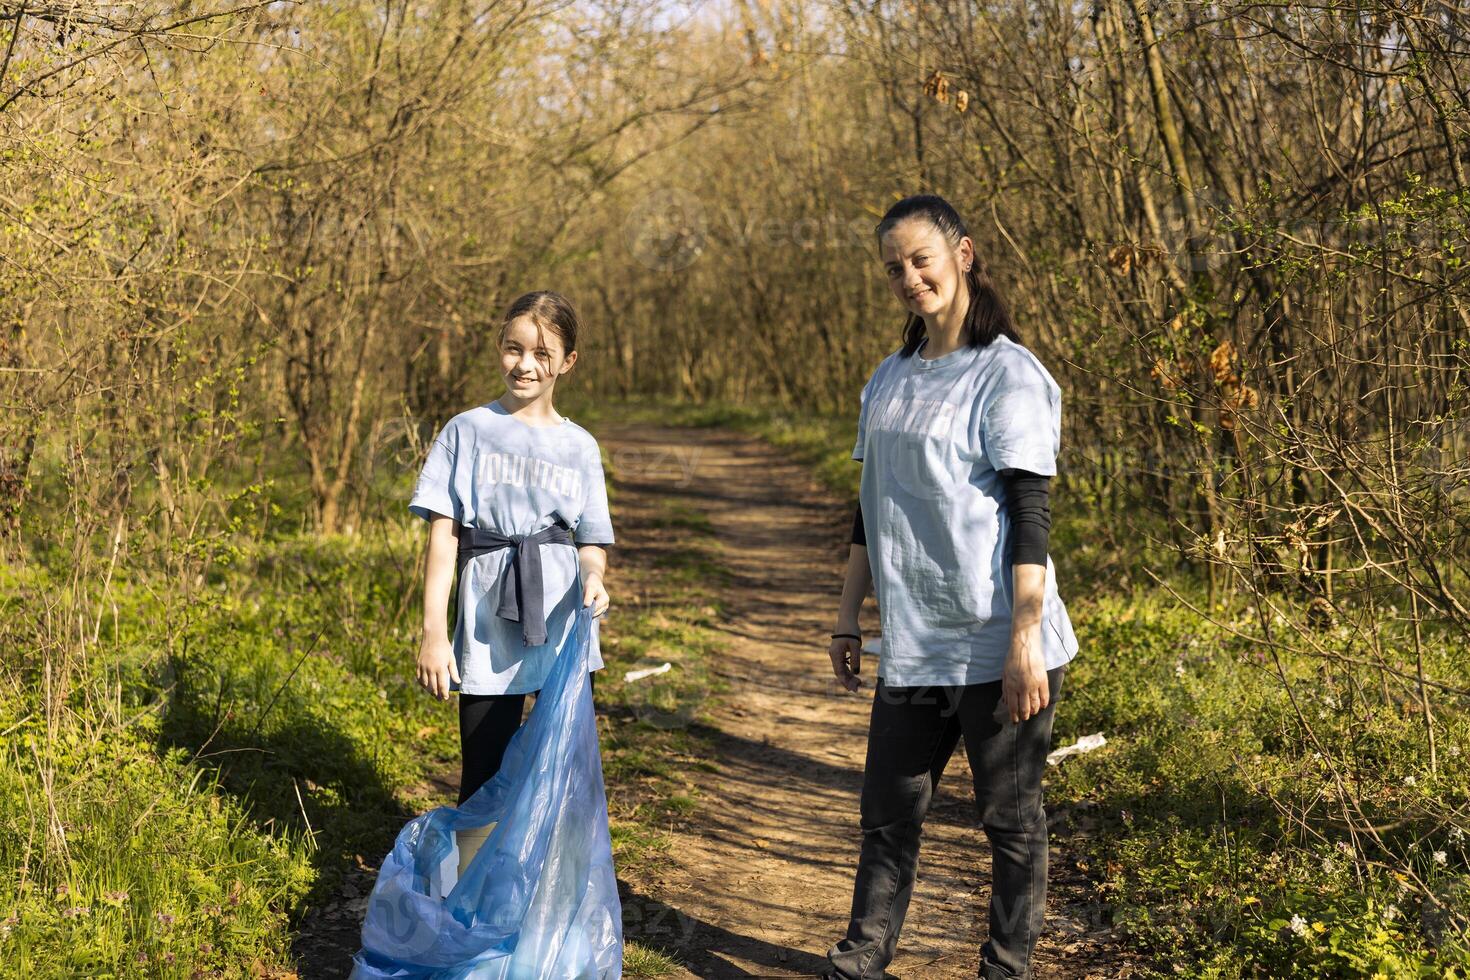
(531, 360)
(925, 271)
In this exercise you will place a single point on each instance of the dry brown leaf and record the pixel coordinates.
(1222, 361)
(1121, 258)
(936, 86)
(1145, 254)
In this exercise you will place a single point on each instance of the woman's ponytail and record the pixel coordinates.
(988, 316)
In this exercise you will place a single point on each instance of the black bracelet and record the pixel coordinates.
(852, 636)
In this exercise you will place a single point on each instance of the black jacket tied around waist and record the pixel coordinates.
(521, 584)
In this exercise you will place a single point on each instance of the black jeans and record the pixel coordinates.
(913, 732)
(486, 724)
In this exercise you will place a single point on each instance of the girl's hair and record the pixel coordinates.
(548, 310)
(987, 317)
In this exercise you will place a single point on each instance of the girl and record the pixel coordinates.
(517, 511)
(958, 433)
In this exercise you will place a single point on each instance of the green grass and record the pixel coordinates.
(215, 764)
(164, 873)
(1213, 821)
(181, 793)
(651, 736)
(640, 961)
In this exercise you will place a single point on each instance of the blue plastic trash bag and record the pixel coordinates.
(540, 899)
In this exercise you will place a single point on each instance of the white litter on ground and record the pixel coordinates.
(638, 675)
(1084, 744)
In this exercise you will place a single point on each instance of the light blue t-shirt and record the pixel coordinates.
(932, 435)
(489, 469)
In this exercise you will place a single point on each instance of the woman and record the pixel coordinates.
(958, 433)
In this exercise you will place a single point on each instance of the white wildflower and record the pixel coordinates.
(1409, 780)
(1327, 865)
(1440, 857)
(1390, 912)
(1298, 925)
(1329, 700)
(1456, 835)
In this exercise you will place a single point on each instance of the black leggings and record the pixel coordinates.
(486, 724)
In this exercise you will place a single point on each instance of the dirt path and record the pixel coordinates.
(759, 881)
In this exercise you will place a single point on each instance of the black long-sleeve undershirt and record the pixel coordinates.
(1027, 504)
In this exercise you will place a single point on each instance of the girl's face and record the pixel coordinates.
(531, 360)
(925, 271)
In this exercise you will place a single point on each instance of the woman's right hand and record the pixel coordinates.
(847, 661)
(436, 666)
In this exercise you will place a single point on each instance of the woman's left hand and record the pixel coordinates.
(1023, 685)
(595, 594)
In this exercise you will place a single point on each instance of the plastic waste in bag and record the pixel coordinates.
(539, 901)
